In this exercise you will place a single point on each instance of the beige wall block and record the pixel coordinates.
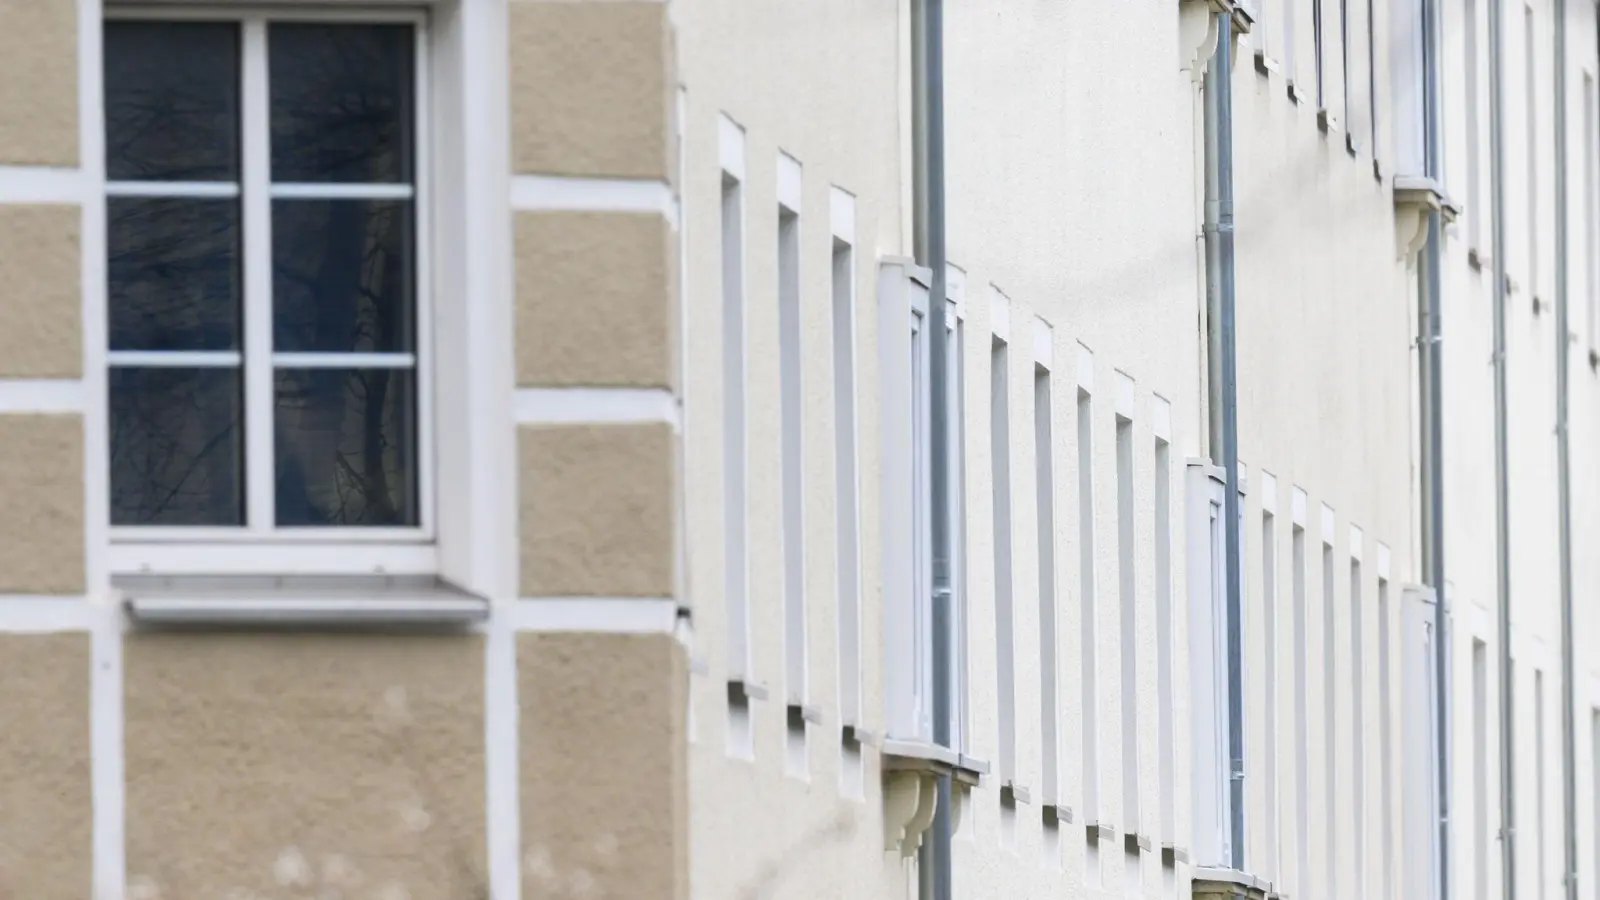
(603, 764)
(596, 300)
(41, 520)
(46, 808)
(41, 296)
(39, 82)
(592, 89)
(306, 765)
(597, 510)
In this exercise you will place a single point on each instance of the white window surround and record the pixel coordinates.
(468, 531)
(1208, 651)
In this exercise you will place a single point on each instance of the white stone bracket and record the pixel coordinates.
(911, 773)
(1415, 196)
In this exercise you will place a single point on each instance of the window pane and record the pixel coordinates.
(346, 447)
(174, 273)
(342, 276)
(341, 102)
(172, 101)
(176, 447)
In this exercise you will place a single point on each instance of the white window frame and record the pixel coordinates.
(907, 528)
(260, 546)
(1096, 821)
(1001, 484)
(1128, 602)
(847, 461)
(956, 415)
(1049, 607)
(1208, 654)
(797, 670)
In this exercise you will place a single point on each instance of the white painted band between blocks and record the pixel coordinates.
(551, 193)
(614, 615)
(42, 184)
(41, 395)
(37, 614)
(560, 406)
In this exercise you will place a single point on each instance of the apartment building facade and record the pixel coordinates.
(485, 448)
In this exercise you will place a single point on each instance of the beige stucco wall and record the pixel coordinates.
(604, 765)
(46, 812)
(40, 296)
(42, 531)
(39, 100)
(262, 763)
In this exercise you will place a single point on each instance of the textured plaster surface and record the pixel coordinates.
(46, 812)
(39, 83)
(41, 522)
(597, 510)
(596, 299)
(305, 765)
(591, 89)
(604, 772)
(40, 292)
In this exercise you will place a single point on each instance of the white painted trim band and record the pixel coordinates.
(36, 614)
(1357, 542)
(790, 182)
(1297, 507)
(1383, 561)
(1269, 493)
(42, 184)
(842, 214)
(41, 395)
(554, 193)
(561, 406)
(999, 314)
(614, 615)
(1161, 417)
(730, 146)
(1327, 524)
(1043, 343)
(1085, 368)
(1125, 395)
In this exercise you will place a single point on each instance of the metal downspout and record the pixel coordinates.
(1508, 820)
(1569, 760)
(934, 864)
(1223, 389)
(1431, 296)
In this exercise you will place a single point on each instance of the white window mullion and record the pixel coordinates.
(256, 174)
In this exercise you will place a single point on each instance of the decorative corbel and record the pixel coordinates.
(910, 797)
(1197, 30)
(1415, 196)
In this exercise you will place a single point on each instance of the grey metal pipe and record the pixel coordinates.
(1569, 760)
(1508, 831)
(1223, 410)
(1431, 294)
(934, 872)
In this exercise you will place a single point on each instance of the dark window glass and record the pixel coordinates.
(176, 447)
(172, 101)
(341, 102)
(174, 273)
(346, 443)
(342, 276)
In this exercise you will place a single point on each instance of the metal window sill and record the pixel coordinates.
(355, 602)
(1231, 876)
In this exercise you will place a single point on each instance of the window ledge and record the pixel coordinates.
(1327, 121)
(1057, 814)
(1014, 793)
(932, 759)
(855, 736)
(296, 603)
(1100, 831)
(1137, 843)
(1230, 878)
(1172, 854)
